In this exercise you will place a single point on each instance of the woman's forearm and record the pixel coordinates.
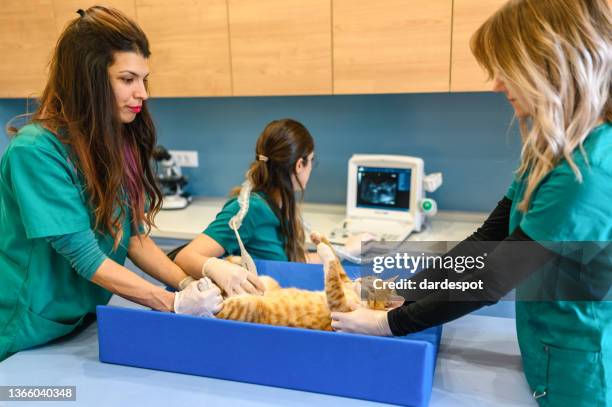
(148, 257)
(193, 256)
(121, 281)
(190, 261)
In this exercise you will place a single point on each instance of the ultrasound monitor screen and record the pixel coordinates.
(383, 188)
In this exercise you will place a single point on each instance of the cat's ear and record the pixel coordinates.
(391, 291)
(394, 302)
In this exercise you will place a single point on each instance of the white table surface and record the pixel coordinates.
(478, 365)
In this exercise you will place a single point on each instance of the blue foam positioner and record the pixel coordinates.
(391, 370)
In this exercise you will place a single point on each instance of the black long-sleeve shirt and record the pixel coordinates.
(500, 275)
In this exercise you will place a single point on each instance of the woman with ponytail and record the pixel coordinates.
(77, 191)
(551, 234)
(272, 228)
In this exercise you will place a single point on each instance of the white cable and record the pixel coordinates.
(236, 221)
(243, 202)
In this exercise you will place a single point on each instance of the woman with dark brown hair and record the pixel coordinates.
(272, 226)
(77, 192)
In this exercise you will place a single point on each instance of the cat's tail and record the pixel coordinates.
(334, 285)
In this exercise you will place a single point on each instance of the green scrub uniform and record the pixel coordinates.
(260, 230)
(41, 195)
(566, 346)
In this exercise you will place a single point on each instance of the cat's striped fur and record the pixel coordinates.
(295, 307)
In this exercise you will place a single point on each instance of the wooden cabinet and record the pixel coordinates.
(468, 15)
(269, 47)
(281, 47)
(391, 46)
(27, 36)
(189, 45)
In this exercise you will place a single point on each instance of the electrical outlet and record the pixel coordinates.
(185, 158)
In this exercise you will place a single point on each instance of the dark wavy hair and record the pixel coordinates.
(284, 142)
(78, 105)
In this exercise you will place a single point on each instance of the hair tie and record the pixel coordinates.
(81, 12)
(262, 157)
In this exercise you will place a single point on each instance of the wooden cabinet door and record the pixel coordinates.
(189, 46)
(468, 15)
(27, 37)
(281, 47)
(391, 46)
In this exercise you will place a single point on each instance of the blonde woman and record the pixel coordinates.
(552, 60)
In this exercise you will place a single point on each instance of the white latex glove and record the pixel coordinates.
(354, 242)
(362, 321)
(203, 300)
(231, 278)
(395, 301)
(185, 282)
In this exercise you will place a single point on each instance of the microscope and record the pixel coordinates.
(170, 180)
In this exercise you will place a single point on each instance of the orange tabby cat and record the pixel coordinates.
(296, 307)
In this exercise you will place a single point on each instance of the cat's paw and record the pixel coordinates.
(237, 260)
(325, 253)
(316, 237)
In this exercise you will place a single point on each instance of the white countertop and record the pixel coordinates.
(186, 224)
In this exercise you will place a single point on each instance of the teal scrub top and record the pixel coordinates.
(260, 230)
(41, 195)
(566, 346)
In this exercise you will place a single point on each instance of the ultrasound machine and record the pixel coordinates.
(386, 197)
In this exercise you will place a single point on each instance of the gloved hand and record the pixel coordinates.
(231, 278)
(185, 282)
(362, 320)
(395, 301)
(354, 242)
(198, 299)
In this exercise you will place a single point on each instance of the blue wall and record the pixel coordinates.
(464, 135)
(10, 108)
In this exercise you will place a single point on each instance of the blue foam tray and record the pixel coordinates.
(389, 370)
